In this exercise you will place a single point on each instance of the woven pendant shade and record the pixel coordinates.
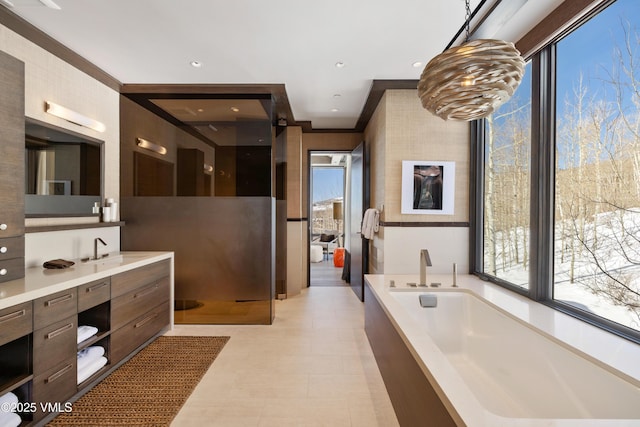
(470, 81)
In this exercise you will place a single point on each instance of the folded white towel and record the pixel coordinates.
(8, 399)
(91, 369)
(88, 355)
(9, 419)
(86, 332)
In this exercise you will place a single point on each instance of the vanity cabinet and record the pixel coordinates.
(39, 338)
(139, 305)
(11, 168)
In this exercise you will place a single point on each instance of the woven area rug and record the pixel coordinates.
(149, 389)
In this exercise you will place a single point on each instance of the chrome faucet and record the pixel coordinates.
(425, 261)
(95, 247)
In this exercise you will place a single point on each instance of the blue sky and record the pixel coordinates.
(590, 49)
(327, 183)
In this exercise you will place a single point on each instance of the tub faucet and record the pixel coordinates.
(425, 261)
(95, 247)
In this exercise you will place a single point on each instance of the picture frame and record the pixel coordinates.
(428, 187)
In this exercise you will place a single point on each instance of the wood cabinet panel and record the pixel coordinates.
(130, 280)
(11, 147)
(15, 322)
(57, 384)
(93, 293)
(12, 247)
(11, 269)
(54, 307)
(131, 336)
(54, 343)
(126, 308)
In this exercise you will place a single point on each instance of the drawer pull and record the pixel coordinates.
(96, 287)
(146, 291)
(3, 227)
(58, 331)
(145, 320)
(3, 272)
(3, 250)
(58, 374)
(58, 300)
(12, 316)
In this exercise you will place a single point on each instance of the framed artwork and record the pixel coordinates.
(428, 187)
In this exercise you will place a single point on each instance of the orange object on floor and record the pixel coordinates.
(338, 257)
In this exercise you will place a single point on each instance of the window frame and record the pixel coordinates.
(542, 189)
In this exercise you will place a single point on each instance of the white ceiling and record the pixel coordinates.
(292, 42)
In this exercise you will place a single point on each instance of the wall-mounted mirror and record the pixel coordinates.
(63, 171)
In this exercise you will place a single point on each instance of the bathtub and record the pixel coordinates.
(492, 368)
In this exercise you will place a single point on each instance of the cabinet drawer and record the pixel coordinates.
(134, 334)
(93, 293)
(54, 307)
(129, 306)
(15, 322)
(12, 247)
(57, 384)
(12, 216)
(54, 343)
(11, 269)
(129, 280)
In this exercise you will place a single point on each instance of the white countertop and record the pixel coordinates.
(606, 349)
(39, 282)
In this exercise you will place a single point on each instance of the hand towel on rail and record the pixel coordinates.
(370, 223)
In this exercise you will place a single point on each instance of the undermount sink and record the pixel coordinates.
(104, 259)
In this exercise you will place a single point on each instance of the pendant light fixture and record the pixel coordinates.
(470, 81)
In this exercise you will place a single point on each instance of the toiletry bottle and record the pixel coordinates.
(106, 214)
(113, 209)
(96, 208)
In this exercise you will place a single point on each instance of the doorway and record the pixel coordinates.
(328, 208)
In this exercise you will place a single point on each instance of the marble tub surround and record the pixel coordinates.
(596, 347)
(39, 282)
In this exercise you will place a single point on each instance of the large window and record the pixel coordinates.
(597, 197)
(583, 253)
(506, 182)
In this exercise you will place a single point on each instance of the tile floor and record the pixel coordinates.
(312, 367)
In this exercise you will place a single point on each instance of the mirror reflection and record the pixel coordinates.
(63, 171)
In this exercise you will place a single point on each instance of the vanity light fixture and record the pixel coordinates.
(148, 145)
(50, 4)
(470, 81)
(73, 117)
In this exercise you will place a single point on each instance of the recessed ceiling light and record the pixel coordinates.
(196, 64)
(337, 95)
(334, 110)
(339, 64)
(200, 110)
(417, 64)
(235, 109)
